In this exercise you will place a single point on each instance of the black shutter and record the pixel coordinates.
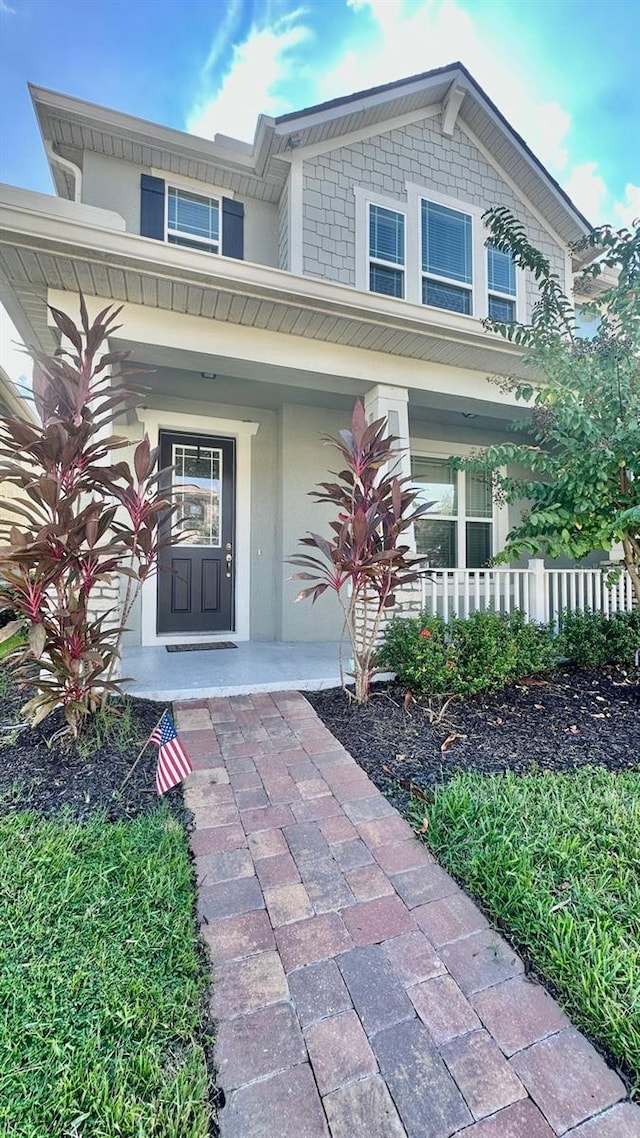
(232, 229)
(152, 207)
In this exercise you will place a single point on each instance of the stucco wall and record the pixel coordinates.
(418, 154)
(114, 184)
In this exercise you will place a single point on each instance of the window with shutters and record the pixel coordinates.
(458, 530)
(193, 220)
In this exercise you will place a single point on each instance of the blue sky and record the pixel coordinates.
(563, 71)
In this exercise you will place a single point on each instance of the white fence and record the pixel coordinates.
(541, 594)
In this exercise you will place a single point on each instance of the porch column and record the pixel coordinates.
(393, 403)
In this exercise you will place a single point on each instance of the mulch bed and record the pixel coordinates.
(560, 722)
(38, 772)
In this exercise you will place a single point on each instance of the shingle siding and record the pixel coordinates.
(283, 229)
(420, 154)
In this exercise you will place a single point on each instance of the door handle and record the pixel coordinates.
(229, 559)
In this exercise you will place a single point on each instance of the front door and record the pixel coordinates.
(196, 575)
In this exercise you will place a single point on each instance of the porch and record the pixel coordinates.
(252, 666)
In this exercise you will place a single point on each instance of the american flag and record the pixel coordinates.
(174, 763)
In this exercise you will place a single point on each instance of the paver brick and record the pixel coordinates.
(333, 758)
(287, 903)
(229, 898)
(397, 856)
(424, 884)
(367, 882)
(209, 815)
(351, 853)
(363, 1110)
(377, 994)
(258, 1044)
(302, 771)
(313, 788)
(318, 991)
(249, 780)
(351, 789)
(306, 838)
(428, 1101)
(316, 809)
(450, 917)
(480, 960)
(214, 839)
(317, 938)
(518, 1013)
(266, 843)
(266, 818)
(238, 937)
(370, 922)
(284, 1106)
(225, 866)
(278, 870)
(480, 1070)
(209, 792)
(567, 1079)
(412, 958)
(337, 828)
(523, 1120)
(281, 789)
(246, 985)
(325, 883)
(622, 1121)
(443, 1009)
(339, 1051)
(251, 797)
(369, 809)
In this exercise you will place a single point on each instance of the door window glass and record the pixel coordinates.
(197, 490)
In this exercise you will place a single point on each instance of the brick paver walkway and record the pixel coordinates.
(358, 991)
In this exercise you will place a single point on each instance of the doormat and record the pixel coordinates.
(200, 647)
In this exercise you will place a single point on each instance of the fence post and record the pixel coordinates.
(537, 590)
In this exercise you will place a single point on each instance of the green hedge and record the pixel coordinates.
(590, 639)
(483, 652)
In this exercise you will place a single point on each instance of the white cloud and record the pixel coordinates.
(628, 210)
(259, 66)
(395, 39)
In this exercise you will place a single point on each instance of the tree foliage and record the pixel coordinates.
(581, 460)
(80, 520)
(365, 560)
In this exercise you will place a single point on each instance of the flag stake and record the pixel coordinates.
(139, 756)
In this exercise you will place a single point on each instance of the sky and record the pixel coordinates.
(563, 72)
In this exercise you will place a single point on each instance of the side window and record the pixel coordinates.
(447, 258)
(457, 532)
(386, 246)
(501, 278)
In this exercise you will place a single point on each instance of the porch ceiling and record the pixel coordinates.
(40, 251)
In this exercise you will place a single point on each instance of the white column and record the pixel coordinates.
(393, 403)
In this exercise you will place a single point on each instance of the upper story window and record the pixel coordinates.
(501, 279)
(192, 220)
(386, 251)
(430, 250)
(447, 258)
(458, 531)
(587, 327)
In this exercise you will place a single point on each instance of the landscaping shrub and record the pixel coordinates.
(590, 639)
(483, 652)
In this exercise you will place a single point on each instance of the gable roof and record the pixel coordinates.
(260, 170)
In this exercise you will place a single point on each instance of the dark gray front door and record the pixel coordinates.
(196, 575)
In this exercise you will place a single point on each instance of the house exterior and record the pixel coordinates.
(340, 255)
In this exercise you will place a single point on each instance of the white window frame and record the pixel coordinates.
(411, 208)
(207, 246)
(402, 268)
(422, 448)
(426, 199)
(498, 295)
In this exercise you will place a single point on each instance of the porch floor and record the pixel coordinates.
(254, 666)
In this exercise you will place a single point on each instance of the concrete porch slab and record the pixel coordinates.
(254, 666)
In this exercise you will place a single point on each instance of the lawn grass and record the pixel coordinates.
(101, 984)
(556, 859)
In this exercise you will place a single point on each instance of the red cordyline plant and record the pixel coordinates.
(364, 561)
(79, 521)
